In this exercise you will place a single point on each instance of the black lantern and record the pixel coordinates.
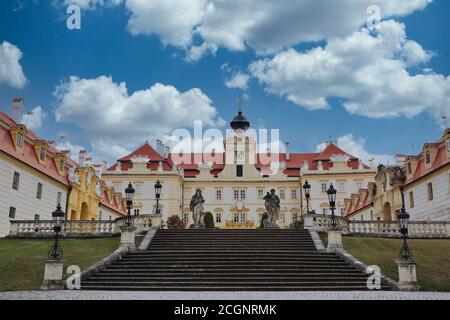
(129, 193)
(307, 188)
(158, 188)
(58, 221)
(403, 220)
(331, 192)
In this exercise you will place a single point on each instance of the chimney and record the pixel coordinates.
(82, 158)
(166, 152)
(288, 154)
(17, 108)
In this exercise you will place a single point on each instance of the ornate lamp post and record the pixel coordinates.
(403, 220)
(307, 188)
(158, 188)
(58, 221)
(54, 264)
(331, 192)
(407, 275)
(129, 193)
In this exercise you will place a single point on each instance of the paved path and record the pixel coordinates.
(139, 295)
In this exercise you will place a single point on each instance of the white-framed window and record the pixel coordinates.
(324, 187)
(243, 217)
(138, 188)
(100, 214)
(12, 213)
(430, 192)
(39, 191)
(16, 180)
(218, 217)
(358, 185)
(411, 199)
(341, 186)
(137, 212)
(37, 217)
(243, 194)
(236, 194)
(294, 193)
(186, 217)
(236, 217)
(282, 194)
(117, 186)
(260, 193)
(218, 194)
(324, 210)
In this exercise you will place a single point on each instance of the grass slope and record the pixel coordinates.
(432, 258)
(22, 261)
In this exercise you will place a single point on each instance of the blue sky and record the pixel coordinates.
(141, 55)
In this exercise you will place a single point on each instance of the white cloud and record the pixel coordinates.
(117, 121)
(74, 149)
(238, 80)
(357, 147)
(264, 25)
(369, 71)
(35, 118)
(11, 72)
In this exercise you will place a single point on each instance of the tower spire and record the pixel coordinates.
(240, 122)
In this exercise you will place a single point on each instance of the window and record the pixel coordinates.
(341, 186)
(282, 194)
(430, 191)
(239, 170)
(42, 154)
(36, 217)
(243, 217)
(342, 211)
(236, 194)
(186, 217)
(39, 191)
(409, 168)
(358, 185)
(16, 181)
(260, 193)
(138, 188)
(100, 213)
(12, 212)
(324, 188)
(58, 198)
(137, 212)
(282, 218)
(294, 193)
(236, 217)
(448, 144)
(218, 218)
(325, 210)
(61, 165)
(219, 194)
(411, 199)
(242, 194)
(428, 158)
(19, 141)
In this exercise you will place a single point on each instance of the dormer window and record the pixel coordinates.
(428, 158)
(61, 165)
(409, 168)
(448, 145)
(19, 141)
(42, 154)
(60, 162)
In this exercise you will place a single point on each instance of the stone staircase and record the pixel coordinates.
(229, 260)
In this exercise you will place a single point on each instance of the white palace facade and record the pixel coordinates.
(234, 182)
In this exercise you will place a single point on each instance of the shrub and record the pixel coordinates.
(174, 222)
(209, 220)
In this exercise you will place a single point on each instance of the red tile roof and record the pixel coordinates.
(113, 202)
(28, 155)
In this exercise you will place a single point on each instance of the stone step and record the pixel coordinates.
(193, 273)
(228, 254)
(220, 258)
(241, 288)
(175, 251)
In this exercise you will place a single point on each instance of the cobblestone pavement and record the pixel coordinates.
(139, 295)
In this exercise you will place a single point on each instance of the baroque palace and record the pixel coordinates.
(235, 181)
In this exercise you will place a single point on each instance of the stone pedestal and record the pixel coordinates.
(268, 225)
(309, 220)
(53, 275)
(407, 275)
(334, 239)
(127, 237)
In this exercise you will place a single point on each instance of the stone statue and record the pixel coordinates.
(272, 203)
(197, 209)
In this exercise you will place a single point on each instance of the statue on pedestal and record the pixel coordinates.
(272, 203)
(197, 209)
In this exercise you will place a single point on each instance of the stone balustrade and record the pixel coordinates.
(94, 228)
(388, 229)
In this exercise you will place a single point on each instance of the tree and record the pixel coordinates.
(174, 222)
(209, 220)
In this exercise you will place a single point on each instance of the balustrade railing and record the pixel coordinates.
(416, 229)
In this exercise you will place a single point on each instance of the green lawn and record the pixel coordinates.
(432, 258)
(22, 261)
